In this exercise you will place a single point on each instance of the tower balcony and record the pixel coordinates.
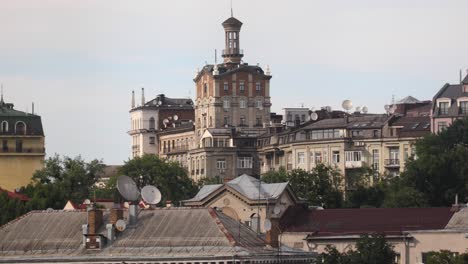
(232, 51)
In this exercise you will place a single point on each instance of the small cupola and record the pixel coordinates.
(232, 52)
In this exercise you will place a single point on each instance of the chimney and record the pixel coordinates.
(32, 108)
(273, 234)
(94, 220)
(132, 214)
(115, 215)
(142, 96)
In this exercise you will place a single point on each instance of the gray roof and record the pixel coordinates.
(408, 100)
(452, 91)
(246, 185)
(160, 233)
(12, 116)
(459, 220)
(353, 121)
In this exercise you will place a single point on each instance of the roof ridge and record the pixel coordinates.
(221, 227)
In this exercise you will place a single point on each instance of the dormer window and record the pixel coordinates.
(443, 108)
(20, 128)
(464, 107)
(4, 127)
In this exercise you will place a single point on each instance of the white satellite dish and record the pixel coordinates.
(347, 105)
(176, 117)
(365, 109)
(159, 102)
(392, 109)
(387, 107)
(358, 109)
(87, 201)
(277, 210)
(128, 188)
(151, 194)
(329, 108)
(166, 121)
(314, 116)
(120, 225)
(267, 225)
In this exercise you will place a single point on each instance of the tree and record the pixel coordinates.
(11, 208)
(60, 180)
(440, 170)
(446, 257)
(372, 249)
(169, 177)
(320, 186)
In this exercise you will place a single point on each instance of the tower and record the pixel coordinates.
(232, 53)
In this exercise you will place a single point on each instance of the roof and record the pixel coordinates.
(232, 21)
(161, 101)
(108, 171)
(465, 81)
(413, 126)
(223, 70)
(408, 100)
(459, 220)
(353, 121)
(12, 116)
(343, 222)
(245, 185)
(15, 195)
(453, 92)
(160, 233)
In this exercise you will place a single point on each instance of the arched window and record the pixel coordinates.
(20, 128)
(255, 222)
(4, 127)
(151, 123)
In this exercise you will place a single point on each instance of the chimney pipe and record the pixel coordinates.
(142, 96)
(115, 215)
(133, 99)
(94, 220)
(273, 234)
(132, 214)
(32, 108)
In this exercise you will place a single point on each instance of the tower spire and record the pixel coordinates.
(142, 96)
(133, 99)
(232, 13)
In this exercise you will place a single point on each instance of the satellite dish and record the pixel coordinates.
(329, 108)
(176, 117)
(387, 108)
(347, 105)
(120, 225)
(159, 102)
(128, 188)
(365, 109)
(358, 109)
(166, 121)
(87, 201)
(314, 116)
(392, 109)
(267, 225)
(151, 194)
(277, 210)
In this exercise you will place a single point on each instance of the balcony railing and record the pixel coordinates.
(233, 51)
(176, 149)
(392, 163)
(353, 164)
(22, 150)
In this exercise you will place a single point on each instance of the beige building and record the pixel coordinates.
(22, 149)
(412, 231)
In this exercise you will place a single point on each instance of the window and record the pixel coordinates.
(226, 86)
(353, 155)
(221, 164)
(289, 118)
(375, 159)
(376, 133)
(5, 145)
(258, 121)
(318, 157)
(4, 126)
(242, 104)
(242, 121)
(205, 89)
(226, 120)
(19, 146)
(336, 156)
(244, 162)
(302, 118)
(464, 107)
(211, 121)
(152, 140)
(258, 86)
(242, 86)
(443, 108)
(258, 104)
(151, 123)
(300, 158)
(356, 133)
(441, 126)
(226, 104)
(20, 128)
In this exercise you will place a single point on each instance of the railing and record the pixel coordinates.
(353, 164)
(233, 51)
(22, 150)
(392, 163)
(176, 149)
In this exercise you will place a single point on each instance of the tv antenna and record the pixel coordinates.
(347, 105)
(314, 116)
(365, 109)
(151, 195)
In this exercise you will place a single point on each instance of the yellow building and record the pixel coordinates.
(22, 146)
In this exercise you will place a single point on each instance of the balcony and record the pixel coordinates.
(22, 151)
(233, 51)
(354, 164)
(175, 150)
(392, 163)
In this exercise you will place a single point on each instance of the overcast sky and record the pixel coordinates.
(80, 60)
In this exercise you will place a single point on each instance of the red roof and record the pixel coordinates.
(339, 222)
(15, 195)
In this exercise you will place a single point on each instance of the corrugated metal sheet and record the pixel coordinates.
(459, 220)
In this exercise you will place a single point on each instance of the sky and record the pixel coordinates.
(78, 61)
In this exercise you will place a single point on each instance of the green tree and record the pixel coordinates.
(320, 186)
(372, 249)
(60, 180)
(446, 257)
(169, 177)
(10, 208)
(440, 170)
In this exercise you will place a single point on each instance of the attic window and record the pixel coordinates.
(426, 125)
(415, 126)
(4, 126)
(464, 107)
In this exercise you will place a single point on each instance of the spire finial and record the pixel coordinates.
(232, 13)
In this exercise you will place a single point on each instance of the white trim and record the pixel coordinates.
(444, 100)
(461, 99)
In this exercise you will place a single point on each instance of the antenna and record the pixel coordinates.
(314, 116)
(365, 109)
(1, 92)
(120, 225)
(216, 61)
(232, 13)
(176, 117)
(347, 105)
(128, 188)
(151, 194)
